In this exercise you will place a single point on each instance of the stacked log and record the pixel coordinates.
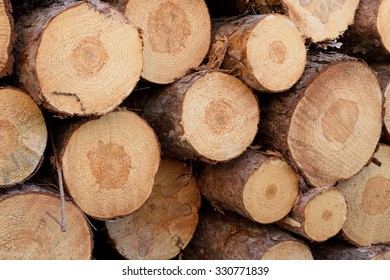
(7, 37)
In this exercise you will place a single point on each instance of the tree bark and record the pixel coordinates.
(109, 163)
(7, 38)
(92, 73)
(318, 214)
(327, 128)
(166, 222)
(207, 116)
(231, 237)
(368, 199)
(266, 51)
(30, 227)
(176, 35)
(23, 137)
(258, 185)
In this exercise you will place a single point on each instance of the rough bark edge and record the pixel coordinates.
(341, 251)
(8, 67)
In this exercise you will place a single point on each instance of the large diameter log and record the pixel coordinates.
(166, 222)
(383, 72)
(369, 36)
(23, 136)
(318, 20)
(232, 237)
(318, 214)
(176, 35)
(30, 227)
(207, 116)
(267, 51)
(340, 251)
(78, 58)
(7, 37)
(109, 164)
(368, 199)
(329, 125)
(258, 185)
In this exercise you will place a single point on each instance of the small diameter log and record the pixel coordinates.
(78, 58)
(258, 185)
(318, 214)
(109, 163)
(30, 227)
(341, 251)
(7, 38)
(318, 20)
(267, 51)
(369, 35)
(176, 35)
(368, 199)
(166, 222)
(23, 137)
(232, 237)
(383, 72)
(329, 125)
(207, 116)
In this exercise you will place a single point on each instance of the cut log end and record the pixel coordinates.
(220, 116)
(325, 215)
(98, 61)
(276, 54)
(7, 38)
(368, 199)
(23, 136)
(383, 24)
(288, 250)
(165, 224)
(118, 163)
(270, 192)
(340, 111)
(176, 36)
(321, 20)
(30, 228)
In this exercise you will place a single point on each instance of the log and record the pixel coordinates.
(23, 137)
(176, 35)
(368, 199)
(258, 185)
(98, 66)
(383, 72)
(231, 237)
(7, 38)
(30, 227)
(206, 116)
(109, 163)
(318, 214)
(266, 51)
(341, 251)
(329, 124)
(318, 20)
(166, 222)
(368, 37)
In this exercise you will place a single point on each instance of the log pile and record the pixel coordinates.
(248, 129)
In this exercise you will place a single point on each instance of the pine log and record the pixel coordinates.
(7, 38)
(318, 214)
(329, 124)
(369, 36)
(23, 137)
(78, 58)
(383, 72)
(266, 51)
(318, 20)
(258, 185)
(368, 200)
(341, 251)
(166, 222)
(30, 227)
(176, 35)
(232, 237)
(109, 164)
(207, 116)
